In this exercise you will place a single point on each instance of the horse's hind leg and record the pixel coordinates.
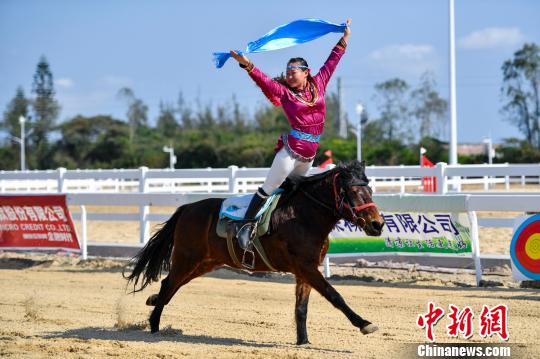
(169, 286)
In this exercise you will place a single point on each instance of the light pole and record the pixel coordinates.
(359, 111)
(20, 141)
(490, 151)
(453, 158)
(172, 157)
(22, 120)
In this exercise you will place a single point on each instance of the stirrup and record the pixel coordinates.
(252, 254)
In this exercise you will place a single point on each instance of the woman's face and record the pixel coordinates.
(296, 76)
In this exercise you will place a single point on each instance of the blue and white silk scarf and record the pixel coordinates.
(291, 34)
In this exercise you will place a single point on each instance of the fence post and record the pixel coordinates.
(143, 210)
(401, 182)
(441, 178)
(84, 238)
(61, 174)
(475, 245)
(233, 188)
(507, 180)
(326, 264)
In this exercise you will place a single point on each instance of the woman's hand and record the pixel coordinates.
(347, 31)
(242, 59)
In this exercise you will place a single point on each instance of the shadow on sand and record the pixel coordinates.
(171, 335)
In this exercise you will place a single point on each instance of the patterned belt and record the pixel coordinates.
(305, 136)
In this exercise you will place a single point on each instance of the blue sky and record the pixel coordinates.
(159, 48)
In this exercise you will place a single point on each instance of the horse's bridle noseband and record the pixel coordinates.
(341, 202)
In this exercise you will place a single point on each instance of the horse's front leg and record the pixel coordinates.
(300, 310)
(312, 276)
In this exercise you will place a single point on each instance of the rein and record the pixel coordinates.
(341, 202)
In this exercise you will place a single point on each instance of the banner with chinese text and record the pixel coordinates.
(36, 221)
(406, 232)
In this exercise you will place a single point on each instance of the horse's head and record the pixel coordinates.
(354, 197)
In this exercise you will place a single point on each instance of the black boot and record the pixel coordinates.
(245, 233)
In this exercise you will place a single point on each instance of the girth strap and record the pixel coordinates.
(258, 246)
(230, 246)
(231, 238)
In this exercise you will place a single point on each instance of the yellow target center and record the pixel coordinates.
(532, 246)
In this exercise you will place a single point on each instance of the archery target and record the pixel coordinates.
(525, 247)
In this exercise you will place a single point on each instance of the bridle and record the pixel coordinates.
(341, 202)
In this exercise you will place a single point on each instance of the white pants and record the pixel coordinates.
(283, 166)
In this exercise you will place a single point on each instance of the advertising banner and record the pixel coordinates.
(447, 233)
(36, 222)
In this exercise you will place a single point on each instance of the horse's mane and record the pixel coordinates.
(350, 171)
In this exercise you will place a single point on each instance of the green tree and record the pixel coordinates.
(428, 107)
(185, 113)
(391, 98)
(16, 108)
(521, 80)
(46, 110)
(271, 120)
(239, 118)
(137, 113)
(166, 122)
(93, 142)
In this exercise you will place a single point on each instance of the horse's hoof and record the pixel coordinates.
(151, 301)
(368, 329)
(303, 342)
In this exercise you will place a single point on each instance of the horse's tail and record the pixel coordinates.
(155, 256)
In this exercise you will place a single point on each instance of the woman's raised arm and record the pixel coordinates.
(271, 89)
(330, 64)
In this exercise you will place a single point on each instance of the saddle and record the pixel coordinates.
(231, 220)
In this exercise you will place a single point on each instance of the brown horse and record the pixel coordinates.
(187, 245)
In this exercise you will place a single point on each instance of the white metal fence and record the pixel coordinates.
(233, 179)
(470, 203)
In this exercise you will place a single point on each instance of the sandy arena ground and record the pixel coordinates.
(58, 306)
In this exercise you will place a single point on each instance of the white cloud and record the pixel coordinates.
(492, 37)
(116, 81)
(64, 82)
(405, 59)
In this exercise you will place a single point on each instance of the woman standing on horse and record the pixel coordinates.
(302, 98)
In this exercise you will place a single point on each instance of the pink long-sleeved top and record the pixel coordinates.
(302, 117)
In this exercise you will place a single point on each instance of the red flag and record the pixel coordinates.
(426, 162)
(329, 161)
(429, 184)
